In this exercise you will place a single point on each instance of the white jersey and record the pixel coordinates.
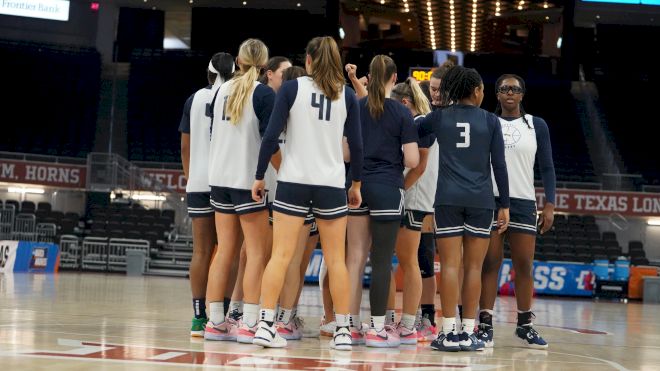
(421, 195)
(520, 153)
(313, 153)
(234, 147)
(200, 139)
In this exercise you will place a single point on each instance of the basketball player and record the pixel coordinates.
(317, 112)
(420, 184)
(526, 139)
(390, 143)
(195, 142)
(241, 113)
(469, 141)
(272, 76)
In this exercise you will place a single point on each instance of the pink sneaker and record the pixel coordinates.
(385, 338)
(225, 331)
(358, 335)
(426, 331)
(289, 331)
(245, 333)
(406, 337)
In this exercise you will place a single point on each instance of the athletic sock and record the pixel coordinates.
(408, 321)
(250, 314)
(467, 325)
(284, 315)
(390, 317)
(355, 321)
(217, 310)
(225, 303)
(524, 318)
(267, 315)
(486, 317)
(199, 308)
(428, 311)
(448, 325)
(377, 322)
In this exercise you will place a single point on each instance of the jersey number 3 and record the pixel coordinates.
(323, 102)
(465, 134)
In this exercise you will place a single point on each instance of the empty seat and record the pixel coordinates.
(632, 245)
(611, 243)
(639, 261)
(72, 215)
(584, 258)
(168, 213)
(609, 236)
(13, 203)
(155, 213)
(44, 206)
(593, 235)
(552, 256)
(589, 220)
(67, 226)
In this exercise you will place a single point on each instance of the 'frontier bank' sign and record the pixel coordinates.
(46, 9)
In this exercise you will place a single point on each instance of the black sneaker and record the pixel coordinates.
(485, 334)
(529, 338)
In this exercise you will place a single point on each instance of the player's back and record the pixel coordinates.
(464, 134)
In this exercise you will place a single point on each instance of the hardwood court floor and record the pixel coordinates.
(77, 321)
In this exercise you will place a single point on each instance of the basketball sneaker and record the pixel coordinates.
(197, 328)
(385, 338)
(225, 331)
(328, 328)
(358, 334)
(289, 331)
(468, 342)
(235, 315)
(245, 333)
(446, 343)
(528, 337)
(342, 339)
(267, 336)
(406, 336)
(426, 331)
(485, 334)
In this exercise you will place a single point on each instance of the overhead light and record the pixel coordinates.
(559, 43)
(545, 5)
(382, 1)
(547, 18)
(244, 2)
(39, 191)
(654, 222)
(342, 34)
(148, 197)
(298, 5)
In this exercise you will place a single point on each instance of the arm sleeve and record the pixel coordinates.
(276, 124)
(425, 141)
(184, 125)
(353, 133)
(425, 124)
(408, 128)
(263, 101)
(544, 159)
(498, 161)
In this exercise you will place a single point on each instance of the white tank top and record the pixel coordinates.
(313, 153)
(234, 147)
(520, 153)
(421, 195)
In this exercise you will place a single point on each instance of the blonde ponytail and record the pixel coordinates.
(252, 55)
(326, 67)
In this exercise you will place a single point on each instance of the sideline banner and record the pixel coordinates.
(562, 279)
(43, 173)
(22, 256)
(603, 202)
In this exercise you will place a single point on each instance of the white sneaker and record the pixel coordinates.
(267, 336)
(341, 339)
(328, 329)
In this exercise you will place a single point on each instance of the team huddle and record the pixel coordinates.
(278, 156)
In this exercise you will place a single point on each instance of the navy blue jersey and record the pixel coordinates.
(469, 140)
(383, 138)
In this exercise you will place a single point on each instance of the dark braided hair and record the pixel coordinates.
(498, 108)
(459, 83)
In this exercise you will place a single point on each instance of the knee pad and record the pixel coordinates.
(426, 254)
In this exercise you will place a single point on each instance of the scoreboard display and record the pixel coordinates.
(421, 73)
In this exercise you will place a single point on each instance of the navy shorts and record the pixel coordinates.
(314, 230)
(309, 219)
(451, 221)
(302, 199)
(414, 219)
(199, 204)
(381, 202)
(522, 216)
(236, 201)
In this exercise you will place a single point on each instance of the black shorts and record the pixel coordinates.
(522, 216)
(236, 201)
(199, 204)
(454, 221)
(381, 202)
(302, 199)
(414, 219)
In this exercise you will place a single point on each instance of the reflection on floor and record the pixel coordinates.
(86, 321)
